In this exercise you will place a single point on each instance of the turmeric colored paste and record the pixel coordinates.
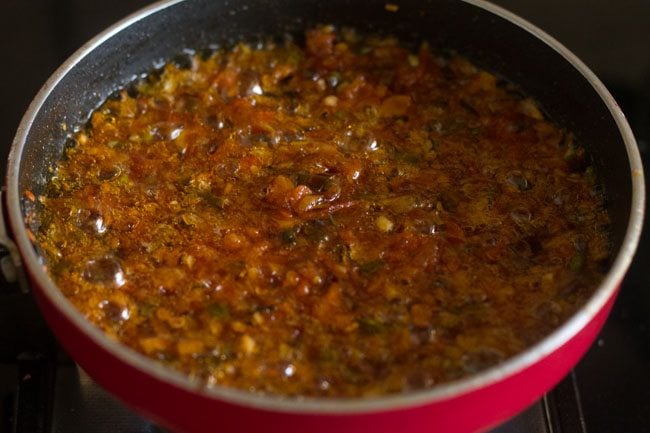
(342, 218)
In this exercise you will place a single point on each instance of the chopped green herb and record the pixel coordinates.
(219, 311)
(371, 267)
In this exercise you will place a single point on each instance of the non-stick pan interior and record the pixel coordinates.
(489, 40)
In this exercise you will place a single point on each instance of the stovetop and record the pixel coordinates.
(43, 391)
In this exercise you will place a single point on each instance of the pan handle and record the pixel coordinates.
(11, 265)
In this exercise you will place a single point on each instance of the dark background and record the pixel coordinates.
(611, 37)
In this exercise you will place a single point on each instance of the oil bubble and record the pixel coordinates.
(106, 271)
(114, 311)
(517, 180)
(91, 221)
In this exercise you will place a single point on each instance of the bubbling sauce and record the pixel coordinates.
(343, 218)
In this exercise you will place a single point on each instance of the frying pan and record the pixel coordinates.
(491, 37)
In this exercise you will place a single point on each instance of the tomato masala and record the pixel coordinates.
(344, 217)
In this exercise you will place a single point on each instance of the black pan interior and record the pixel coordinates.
(488, 40)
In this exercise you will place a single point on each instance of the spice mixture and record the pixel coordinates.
(343, 218)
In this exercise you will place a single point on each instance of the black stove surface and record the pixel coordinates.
(42, 391)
